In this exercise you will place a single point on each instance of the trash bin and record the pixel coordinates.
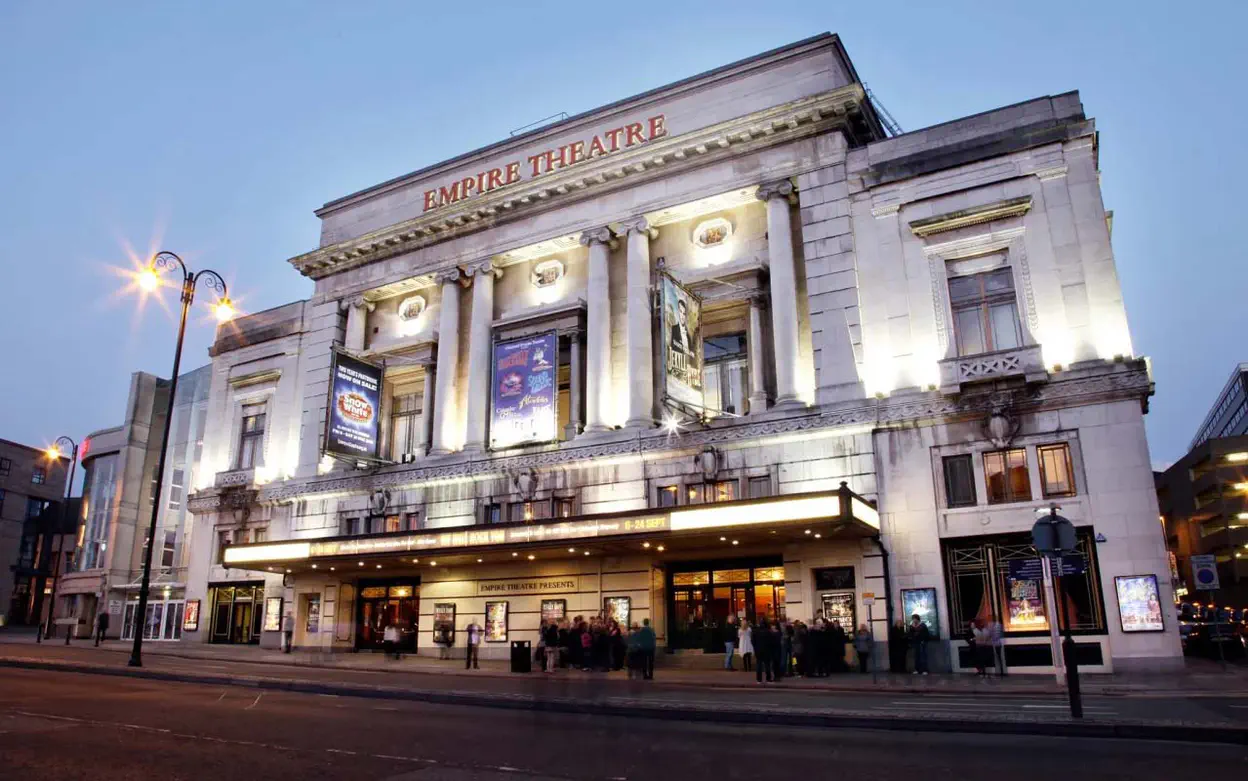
(521, 656)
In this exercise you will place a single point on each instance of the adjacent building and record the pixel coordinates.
(724, 347)
(32, 488)
(1203, 498)
(119, 466)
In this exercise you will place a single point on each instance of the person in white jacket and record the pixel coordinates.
(746, 644)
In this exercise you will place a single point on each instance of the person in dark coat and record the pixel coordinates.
(776, 652)
(761, 636)
(801, 648)
(836, 648)
(919, 634)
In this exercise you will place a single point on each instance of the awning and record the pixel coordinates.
(740, 524)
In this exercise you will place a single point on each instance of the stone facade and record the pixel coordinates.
(838, 266)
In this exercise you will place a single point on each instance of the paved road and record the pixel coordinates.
(1163, 706)
(66, 726)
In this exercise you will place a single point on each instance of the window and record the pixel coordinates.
(985, 312)
(394, 523)
(760, 487)
(959, 481)
(725, 373)
(34, 507)
(708, 493)
(563, 508)
(225, 538)
(176, 480)
(1056, 475)
(492, 512)
(5, 466)
(352, 527)
(668, 495)
(530, 511)
(405, 415)
(413, 522)
(38, 475)
(251, 437)
(1006, 477)
(260, 535)
(166, 550)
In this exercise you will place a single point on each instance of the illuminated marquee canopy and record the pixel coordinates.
(843, 506)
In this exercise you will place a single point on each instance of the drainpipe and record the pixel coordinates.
(888, 582)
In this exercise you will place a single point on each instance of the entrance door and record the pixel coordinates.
(726, 601)
(384, 606)
(240, 629)
(689, 627)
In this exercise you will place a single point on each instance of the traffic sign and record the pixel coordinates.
(1205, 573)
(868, 598)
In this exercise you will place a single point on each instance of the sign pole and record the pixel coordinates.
(1054, 637)
(1068, 653)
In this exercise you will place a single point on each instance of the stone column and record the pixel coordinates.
(426, 409)
(448, 364)
(639, 326)
(483, 274)
(783, 290)
(597, 330)
(357, 321)
(758, 379)
(574, 391)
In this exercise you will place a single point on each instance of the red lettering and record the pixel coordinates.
(513, 173)
(596, 149)
(467, 186)
(633, 134)
(614, 137)
(430, 199)
(481, 182)
(494, 178)
(576, 152)
(535, 159)
(446, 196)
(657, 127)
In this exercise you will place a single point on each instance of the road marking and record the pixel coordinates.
(1240, 707)
(381, 707)
(222, 697)
(341, 751)
(255, 702)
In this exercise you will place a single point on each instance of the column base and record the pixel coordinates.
(597, 428)
(790, 402)
(643, 423)
(440, 451)
(758, 404)
(473, 449)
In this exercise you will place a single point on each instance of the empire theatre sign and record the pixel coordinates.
(548, 161)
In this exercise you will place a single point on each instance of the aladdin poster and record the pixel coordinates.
(682, 344)
(1139, 603)
(525, 391)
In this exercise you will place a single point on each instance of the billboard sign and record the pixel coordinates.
(525, 391)
(354, 408)
(682, 343)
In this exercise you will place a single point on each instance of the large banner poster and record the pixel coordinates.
(525, 391)
(354, 407)
(682, 344)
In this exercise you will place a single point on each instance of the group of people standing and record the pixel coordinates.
(776, 649)
(599, 644)
(986, 641)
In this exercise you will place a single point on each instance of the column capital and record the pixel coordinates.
(782, 188)
(601, 235)
(356, 302)
(637, 225)
(485, 266)
(757, 298)
(446, 275)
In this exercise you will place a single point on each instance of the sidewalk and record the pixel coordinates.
(1200, 679)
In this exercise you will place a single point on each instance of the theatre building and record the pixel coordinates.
(725, 347)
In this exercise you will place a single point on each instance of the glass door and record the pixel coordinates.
(689, 618)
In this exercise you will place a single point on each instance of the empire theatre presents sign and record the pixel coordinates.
(354, 407)
(547, 161)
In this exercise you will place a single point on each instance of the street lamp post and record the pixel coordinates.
(55, 452)
(149, 279)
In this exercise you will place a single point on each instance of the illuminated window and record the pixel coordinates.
(563, 508)
(725, 373)
(985, 312)
(1006, 477)
(1056, 474)
(251, 437)
(177, 480)
(260, 535)
(769, 574)
(167, 549)
(668, 495)
(394, 523)
(405, 428)
(691, 578)
(492, 512)
(731, 576)
(38, 475)
(709, 493)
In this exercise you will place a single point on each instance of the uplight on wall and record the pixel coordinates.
(411, 315)
(713, 238)
(548, 279)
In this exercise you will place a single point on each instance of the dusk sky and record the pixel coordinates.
(214, 130)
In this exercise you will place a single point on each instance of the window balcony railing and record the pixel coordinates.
(234, 478)
(1025, 362)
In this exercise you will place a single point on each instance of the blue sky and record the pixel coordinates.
(216, 128)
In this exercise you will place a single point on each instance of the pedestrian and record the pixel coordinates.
(786, 649)
(473, 646)
(587, 647)
(728, 635)
(996, 636)
(746, 643)
(288, 632)
(761, 637)
(101, 627)
(648, 644)
(617, 646)
(550, 641)
(577, 630)
(801, 642)
(774, 651)
(836, 648)
(918, 635)
(864, 646)
(980, 643)
(390, 640)
(444, 641)
(897, 642)
(819, 646)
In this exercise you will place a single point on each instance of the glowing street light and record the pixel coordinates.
(150, 279)
(55, 452)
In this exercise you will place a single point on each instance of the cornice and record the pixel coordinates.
(1114, 382)
(1014, 207)
(776, 125)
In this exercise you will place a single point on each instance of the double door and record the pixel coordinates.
(700, 613)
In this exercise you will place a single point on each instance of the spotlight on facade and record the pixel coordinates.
(671, 424)
(1237, 457)
(531, 557)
